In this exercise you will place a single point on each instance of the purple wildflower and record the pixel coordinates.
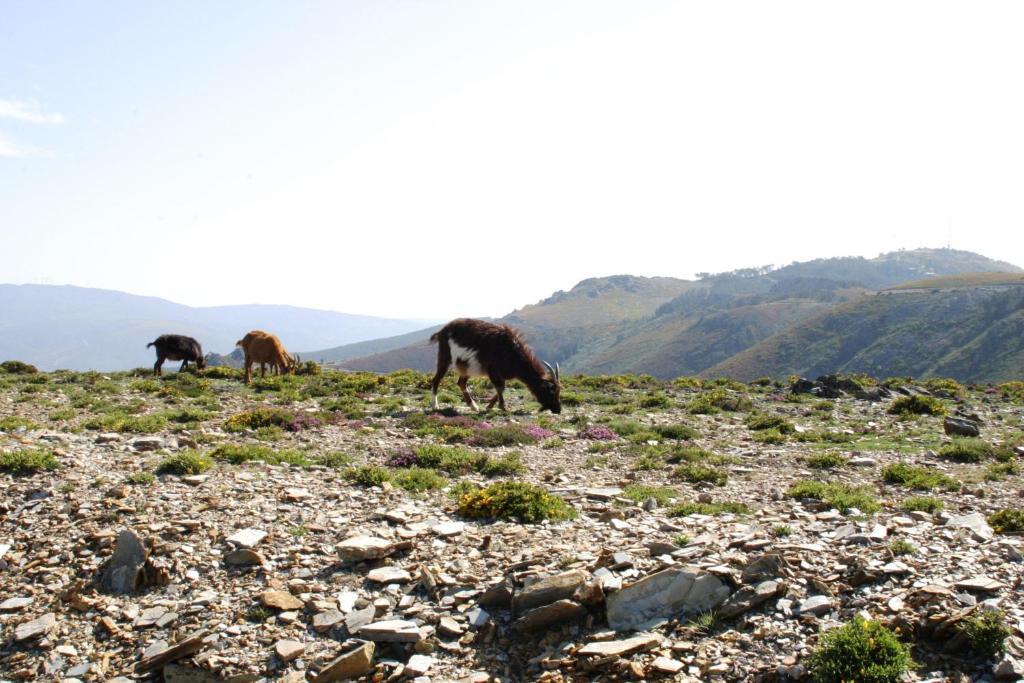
(403, 458)
(537, 432)
(598, 433)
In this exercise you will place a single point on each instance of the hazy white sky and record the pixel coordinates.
(434, 159)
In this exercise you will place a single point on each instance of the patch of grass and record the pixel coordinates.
(928, 504)
(966, 450)
(986, 633)
(553, 443)
(118, 421)
(259, 417)
(28, 461)
(782, 530)
(236, 454)
(697, 472)
(419, 479)
(258, 613)
(141, 478)
(17, 367)
(841, 497)
(298, 530)
(269, 433)
(944, 386)
(1007, 521)
(678, 432)
(917, 405)
(648, 462)
(681, 540)
(824, 436)
(862, 651)
(185, 462)
(451, 459)
(507, 464)
(826, 461)
(461, 488)
(10, 423)
(655, 400)
(526, 503)
(188, 415)
(594, 462)
(334, 460)
(639, 494)
(705, 622)
(689, 454)
(902, 546)
(508, 435)
(711, 509)
(62, 414)
(368, 475)
(920, 478)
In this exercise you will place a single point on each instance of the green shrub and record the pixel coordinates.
(188, 416)
(986, 633)
(451, 459)
(782, 530)
(16, 367)
(419, 479)
(119, 421)
(655, 400)
(62, 414)
(695, 472)
(368, 475)
(27, 461)
(271, 433)
(862, 651)
(503, 435)
(647, 462)
(638, 493)
(10, 423)
(1007, 520)
(689, 454)
(141, 477)
(944, 386)
(826, 461)
(966, 450)
(260, 417)
(763, 421)
(185, 462)
(686, 509)
(679, 432)
(921, 504)
(770, 436)
(718, 399)
(223, 372)
(902, 546)
(839, 496)
(526, 503)
(915, 477)
(917, 405)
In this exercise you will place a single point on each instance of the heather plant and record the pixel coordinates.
(598, 433)
(696, 472)
(764, 421)
(677, 432)
(915, 477)
(28, 461)
(368, 475)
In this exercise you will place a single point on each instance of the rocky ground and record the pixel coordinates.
(699, 548)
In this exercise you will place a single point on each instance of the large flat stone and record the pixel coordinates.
(362, 548)
(553, 588)
(348, 665)
(35, 628)
(247, 538)
(555, 614)
(392, 631)
(670, 593)
(620, 648)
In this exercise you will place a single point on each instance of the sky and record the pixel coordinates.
(437, 159)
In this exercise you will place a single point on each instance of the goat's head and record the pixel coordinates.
(201, 361)
(293, 362)
(549, 390)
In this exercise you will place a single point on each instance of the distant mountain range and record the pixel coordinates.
(955, 313)
(80, 328)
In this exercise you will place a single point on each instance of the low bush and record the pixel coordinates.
(917, 405)
(639, 494)
(914, 477)
(841, 497)
(928, 504)
(826, 461)
(966, 450)
(185, 462)
(523, 502)
(696, 472)
(17, 367)
(1007, 521)
(678, 432)
(28, 461)
(986, 633)
(862, 651)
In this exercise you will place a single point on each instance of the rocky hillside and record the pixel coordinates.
(729, 322)
(325, 527)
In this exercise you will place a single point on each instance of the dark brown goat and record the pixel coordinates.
(177, 347)
(480, 348)
(264, 348)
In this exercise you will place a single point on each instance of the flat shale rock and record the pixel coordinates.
(975, 522)
(747, 598)
(392, 631)
(35, 628)
(620, 648)
(548, 590)
(816, 605)
(666, 594)
(15, 604)
(362, 548)
(160, 653)
(557, 613)
(247, 538)
(123, 573)
(982, 584)
(389, 575)
(288, 650)
(351, 664)
(325, 621)
(281, 600)
(243, 558)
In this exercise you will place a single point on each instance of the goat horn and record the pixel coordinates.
(558, 375)
(554, 373)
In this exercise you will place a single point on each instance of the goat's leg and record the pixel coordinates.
(444, 361)
(248, 370)
(184, 364)
(499, 394)
(465, 393)
(159, 363)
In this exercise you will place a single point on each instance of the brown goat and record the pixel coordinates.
(266, 349)
(480, 348)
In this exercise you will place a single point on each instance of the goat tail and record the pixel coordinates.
(152, 343)
(239, 342)
(436, 336)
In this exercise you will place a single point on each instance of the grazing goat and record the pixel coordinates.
(266, 349)
(497, 352)
(177, 347)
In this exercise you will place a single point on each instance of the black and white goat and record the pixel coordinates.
(497, 352)
(177, 347)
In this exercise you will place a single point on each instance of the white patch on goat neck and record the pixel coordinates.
(462, 355)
